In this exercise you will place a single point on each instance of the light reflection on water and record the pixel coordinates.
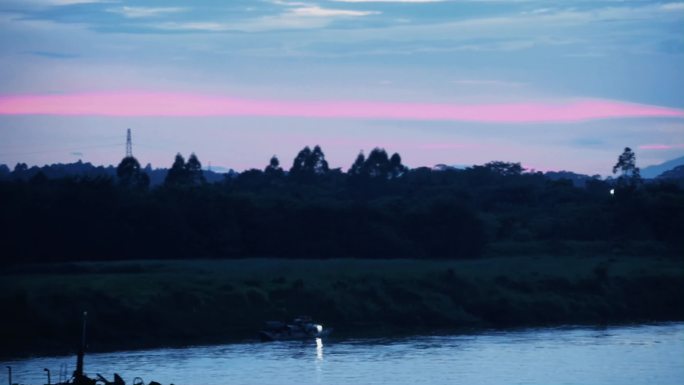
(615, 355)
(319, 349)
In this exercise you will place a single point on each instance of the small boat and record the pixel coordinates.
(301, 328)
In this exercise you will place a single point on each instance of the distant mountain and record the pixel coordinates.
(655, 170)
(60, 170)
(675, 173)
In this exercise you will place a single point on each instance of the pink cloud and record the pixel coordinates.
(182, 104)
(661, 146)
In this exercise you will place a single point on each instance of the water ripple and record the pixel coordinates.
(614, 355)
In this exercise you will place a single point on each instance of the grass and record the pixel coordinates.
(156, 303)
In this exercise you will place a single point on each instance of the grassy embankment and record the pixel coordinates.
(160, 303)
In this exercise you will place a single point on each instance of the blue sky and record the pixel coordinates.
(478, 51)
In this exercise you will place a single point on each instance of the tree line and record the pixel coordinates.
(308, 165)
(379, 208)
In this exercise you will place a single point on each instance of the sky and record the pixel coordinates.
(556, 85)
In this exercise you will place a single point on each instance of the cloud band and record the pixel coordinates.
(183, 104)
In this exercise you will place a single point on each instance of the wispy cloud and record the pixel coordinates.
(140, 12)
(535, 23)
(296, 16)
(661, 146)
(179, 104)
(205, 26)
(587, 32)
(673, 7)
(317, 11)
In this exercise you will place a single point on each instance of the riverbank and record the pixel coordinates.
(135, 304)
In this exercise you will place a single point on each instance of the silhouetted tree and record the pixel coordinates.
(356, 168)
(309, 163)
(504, 168)
(177, 175)
(317, 162)
(299, 163)
(20, 167)
(273, 168)
(626, 164)
(377, 165)
(4, 170)
(130, 175)
(396, 168)
(194, 171)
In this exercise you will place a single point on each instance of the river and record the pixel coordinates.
(644, 354)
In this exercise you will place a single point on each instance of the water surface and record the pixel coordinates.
(645, 354)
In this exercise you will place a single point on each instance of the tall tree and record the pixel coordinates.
(130, 174)
(317, 162)
(357, 168)
(194, 171)
(184, 173)
(626, 164)
(177, 174)
(273, 168)
(20, 167)
(4, 170)
(396, 168)
(377, 165)
(309, 163)
(299, 163)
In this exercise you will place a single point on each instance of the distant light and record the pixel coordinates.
(612, 191)
(319, 328)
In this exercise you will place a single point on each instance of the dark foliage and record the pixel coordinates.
(630, 174)
(163, 303)
(85, 169)
(185, 174)
(309, 164)
(378, 165)
(379, 209)
(130, 175)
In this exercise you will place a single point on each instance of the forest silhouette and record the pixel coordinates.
(379, 208)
